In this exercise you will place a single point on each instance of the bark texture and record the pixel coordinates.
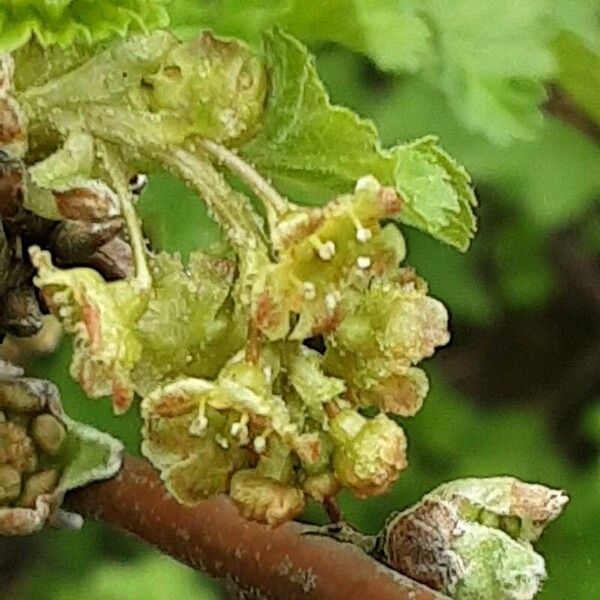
(259, 562)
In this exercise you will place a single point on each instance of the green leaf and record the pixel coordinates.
(95, 456)
(580, 18)
(439, 192)
(390, 32)
(492, 58)
(245, 19)
(310, 146)
(64, 22)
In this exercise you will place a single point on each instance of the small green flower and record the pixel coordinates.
(368, 453)
(389, 327)
(188, 328)
(102, 318)
(324, 253)
(264, 499)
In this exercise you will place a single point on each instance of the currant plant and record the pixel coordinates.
(275, 367)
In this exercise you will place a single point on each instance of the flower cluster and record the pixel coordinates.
(234, 397)
(274, 370)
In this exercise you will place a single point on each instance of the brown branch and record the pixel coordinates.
(279, 564)
(562, 106)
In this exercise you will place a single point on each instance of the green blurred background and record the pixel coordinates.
(513, 91)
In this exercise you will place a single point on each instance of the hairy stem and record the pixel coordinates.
(258, 184)
(120, 184)
(276, 564)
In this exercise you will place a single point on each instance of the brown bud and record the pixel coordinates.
(12, 188)
(16, 448)
(48, 433)
(73, 242)
(95, 202)
(37, 484)
(12, 130)
(114, 260)
(19, 273)
(23, 395)
(10, 484)
(21, 315)
(5, 257)
(418, 543)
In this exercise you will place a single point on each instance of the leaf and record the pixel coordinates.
(64, 22)
(580, 18)
(95, 456)
(245, 19)
(492, 58)
(307, 143)
(390, 32)
(56, 454)
(441, 198)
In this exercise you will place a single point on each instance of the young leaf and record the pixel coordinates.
(439, 188)
(390, 32)
(64, 22)
(492, 60)
(312, 145)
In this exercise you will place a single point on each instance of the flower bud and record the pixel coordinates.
(21, 315)
(263, 499)
(92, 202)
(48, 433)
(12, 188)
(10, 484)
(43, 482)
(74, 242)
(322, 486)
(368, 454)
(465, 539)
(113, 260)
(16, 448)
(34, 474)
(23, 395)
